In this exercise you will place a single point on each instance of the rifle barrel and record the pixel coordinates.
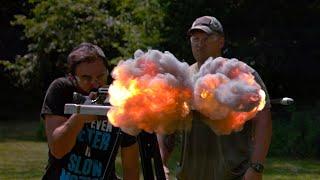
(86, 109)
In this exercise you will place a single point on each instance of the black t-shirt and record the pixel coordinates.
(95, 143)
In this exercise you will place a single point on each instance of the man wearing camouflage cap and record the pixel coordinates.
(240, 155)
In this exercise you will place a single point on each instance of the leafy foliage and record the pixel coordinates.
(296, 134)
(21, 72)
(117, 26)
(55, 27)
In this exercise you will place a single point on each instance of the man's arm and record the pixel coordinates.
(130, 162)
(62, 132)
(262, 136)
(166, 146)
(262, 140)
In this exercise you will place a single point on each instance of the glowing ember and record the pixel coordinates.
(151, 92)
(204, 94)
(226, 93)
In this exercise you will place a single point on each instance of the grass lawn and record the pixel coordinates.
(22, 157)
(286, 169)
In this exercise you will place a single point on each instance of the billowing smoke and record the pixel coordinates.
(227, 94)
(151, 92)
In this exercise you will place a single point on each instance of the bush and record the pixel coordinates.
(298, 135)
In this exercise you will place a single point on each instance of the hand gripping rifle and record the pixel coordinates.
(150, 156)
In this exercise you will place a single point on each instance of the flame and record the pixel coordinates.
(185, 109)
(148, 98)
(120, 93)
(204, 94)
(262, 102)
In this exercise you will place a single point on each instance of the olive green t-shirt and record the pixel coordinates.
(209, 156)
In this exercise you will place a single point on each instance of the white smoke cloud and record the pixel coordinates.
(226, 92)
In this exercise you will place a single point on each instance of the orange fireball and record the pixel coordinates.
(148, 96)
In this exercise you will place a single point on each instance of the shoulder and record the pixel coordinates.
(61, 82)
(60, 88)
(61, 85)
(257, 78)
(58, 94)
(263, 87)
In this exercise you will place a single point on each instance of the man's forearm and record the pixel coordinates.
(262, 136)
(64, 136)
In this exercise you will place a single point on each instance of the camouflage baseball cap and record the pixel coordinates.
(208, 24)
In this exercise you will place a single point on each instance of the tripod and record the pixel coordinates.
(150, 156)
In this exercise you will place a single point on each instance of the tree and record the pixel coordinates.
(277, 38)
(55, 27)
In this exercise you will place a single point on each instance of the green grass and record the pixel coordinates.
(23, 157)
(287, 169)
(279, 168)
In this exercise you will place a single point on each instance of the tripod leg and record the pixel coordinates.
(145, 155)
(157, 160)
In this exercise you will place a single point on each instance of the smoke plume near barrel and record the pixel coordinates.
(227, 94)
